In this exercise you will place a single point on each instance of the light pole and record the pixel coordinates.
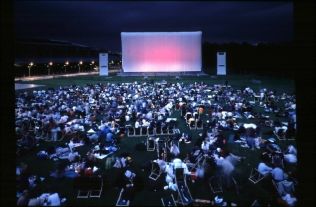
(66, 64)
(80, 63)
(49, 65)
(29, 67)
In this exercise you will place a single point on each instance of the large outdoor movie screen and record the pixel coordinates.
(161, 51)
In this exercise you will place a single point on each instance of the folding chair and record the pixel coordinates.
(195, 115)
(144, 131)
(215, 183)
(161, 144)
(130, 130)
(171, 129)
(82, 184)
(192, 124)
(281, 138)
(96, 187)
(155, 171)
(256, 98)
(168, 201)
(255, 177)
(188, 115)
(164, 129)
(184, 195)
(151, 131)
(137, 131)
(199, 124)
(150, 144)
(158, 130)
(121, 200)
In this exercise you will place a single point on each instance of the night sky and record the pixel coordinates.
(99, 23)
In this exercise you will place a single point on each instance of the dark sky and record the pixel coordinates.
(99, 23)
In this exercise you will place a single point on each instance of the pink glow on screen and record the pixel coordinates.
(161, 51)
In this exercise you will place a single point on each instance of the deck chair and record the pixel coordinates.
(130, 130)
(184, 195)
(144, 131)
(215, 183)
(83, 186)
(155, 171)
(168, 201)
(122, 200)
(255, 177)
(96, 187)
(150, 144)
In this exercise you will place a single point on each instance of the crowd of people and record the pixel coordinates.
(99, 116)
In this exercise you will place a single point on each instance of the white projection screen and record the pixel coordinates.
(161, 51)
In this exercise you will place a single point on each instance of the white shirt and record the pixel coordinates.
(264, 169)
(290, 158)
(205, 145)
(277, 174)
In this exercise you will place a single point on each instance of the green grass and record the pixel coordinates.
(248, 192)
(236, 81)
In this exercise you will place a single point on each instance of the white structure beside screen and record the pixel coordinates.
(161, 51)
(103, 64)
(221, 63)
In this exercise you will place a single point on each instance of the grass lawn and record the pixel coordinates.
(248, 192)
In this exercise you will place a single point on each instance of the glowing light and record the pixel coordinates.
(50, 63)
(161, 51)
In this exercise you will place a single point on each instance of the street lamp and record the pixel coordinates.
(80, 63)
(66, 64)
(29, 67)
(49, 65)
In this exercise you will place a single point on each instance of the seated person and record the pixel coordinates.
(264, 169)
(23, 199)
(205, 146)
(277, 174)
(290, 155)
(290, 200)
(174, 149)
